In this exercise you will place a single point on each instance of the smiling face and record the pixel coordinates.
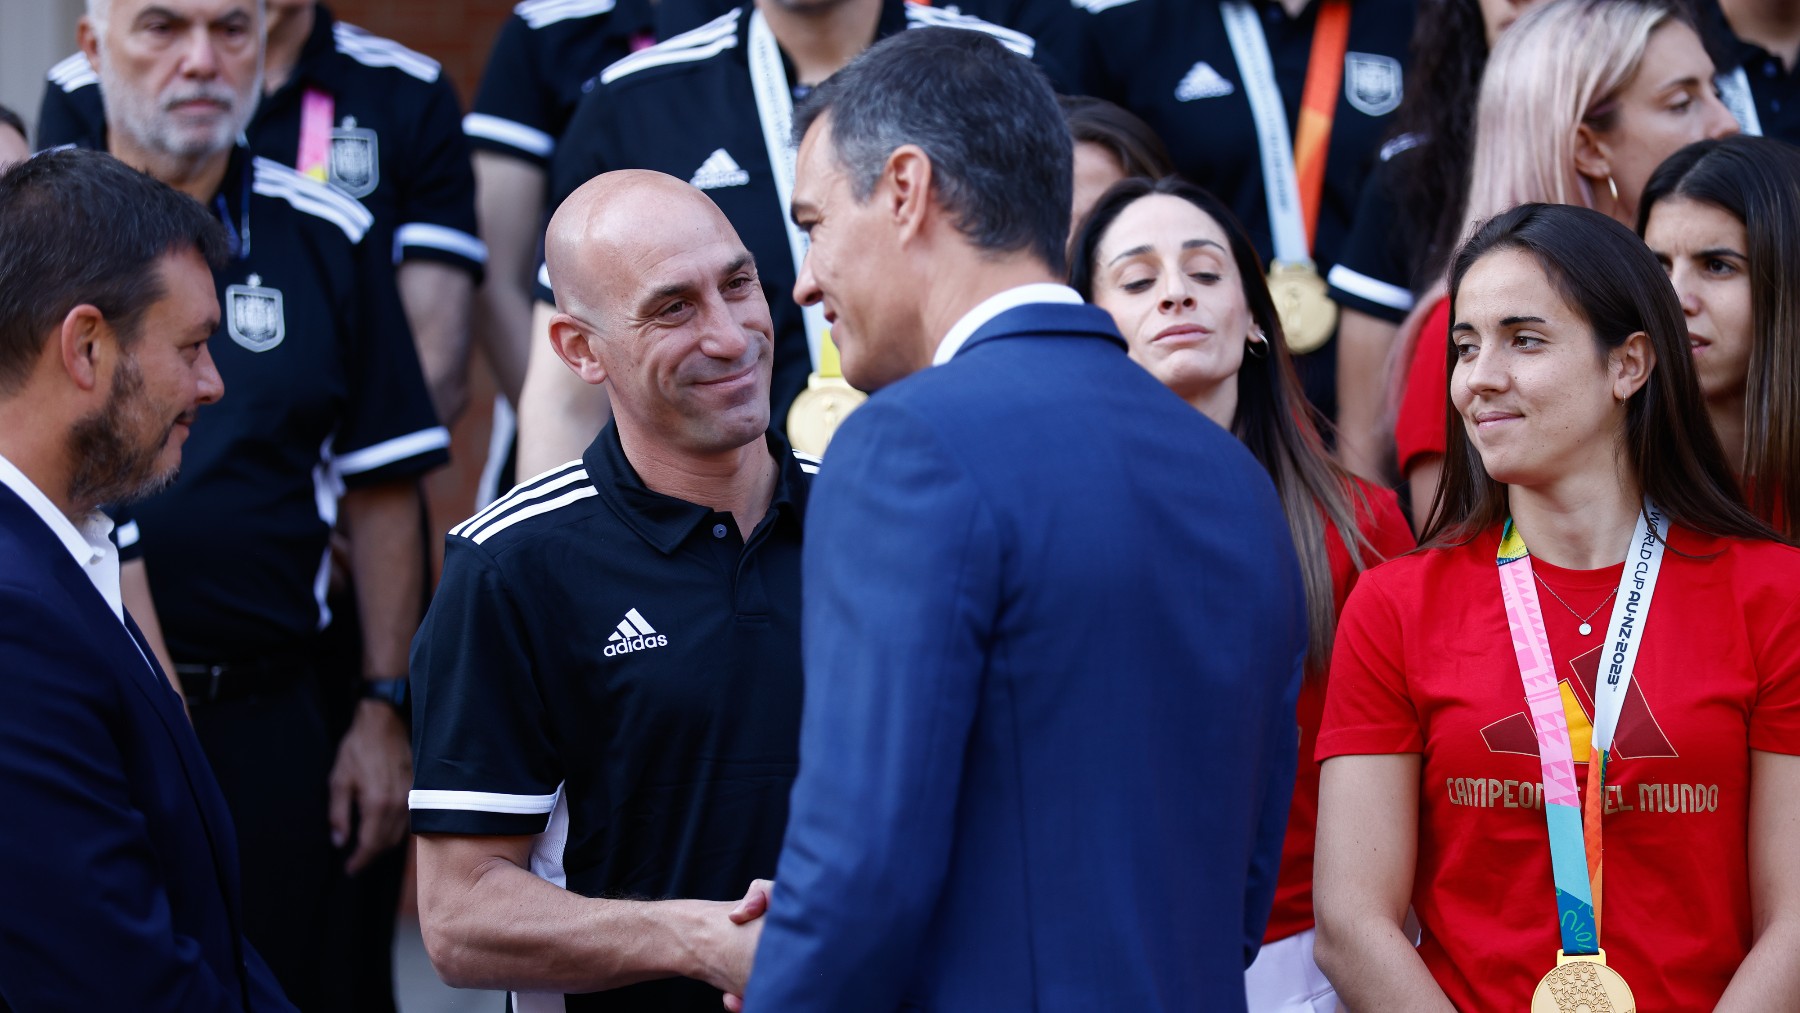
(131, 447)
(180, 77)
(851, 267)
(1668, 104)
(1704, 248)
(680, 326)
(1538, 398)
(1164, 271)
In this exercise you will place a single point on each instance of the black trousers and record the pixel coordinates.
(327, 936)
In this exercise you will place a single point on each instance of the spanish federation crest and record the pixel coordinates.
(1372, 83)
(253, 315)
(355, 167)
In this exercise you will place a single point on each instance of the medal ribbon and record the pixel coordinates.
(775, 108)
(1575, 842)
(1293, 167)
(316, 112)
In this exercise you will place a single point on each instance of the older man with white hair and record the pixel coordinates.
(332, 415)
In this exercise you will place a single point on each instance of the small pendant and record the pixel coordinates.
(1586, 629)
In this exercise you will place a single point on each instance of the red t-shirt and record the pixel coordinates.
(1419, 424)
(1424, 664)
(1385, 528)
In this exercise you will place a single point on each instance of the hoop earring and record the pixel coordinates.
(1612, 188)
(1257, 343)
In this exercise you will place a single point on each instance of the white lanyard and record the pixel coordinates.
(1734, 91)
(1625, 633)
(1281, 182)
(775, 108)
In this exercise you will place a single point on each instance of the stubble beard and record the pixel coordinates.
(108, 466)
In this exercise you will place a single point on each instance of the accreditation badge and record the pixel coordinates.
(253, 315)
(1308, 316)
(355, 167)
(1583, 984)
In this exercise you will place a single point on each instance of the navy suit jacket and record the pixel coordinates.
(118, 862)
(1053, 637)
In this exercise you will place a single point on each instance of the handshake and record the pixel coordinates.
(725, 950)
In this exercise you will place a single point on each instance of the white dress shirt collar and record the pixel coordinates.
(88, 543)
(995, 305)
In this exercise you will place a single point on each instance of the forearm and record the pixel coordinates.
(506, 928)
(1363, 346)
(387, 564)
(1375, 968)
(437, 298)
(509, 203)
(1768, 981)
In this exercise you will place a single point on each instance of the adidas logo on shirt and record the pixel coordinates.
(1202, 81)
(634, 634)
(719, 170)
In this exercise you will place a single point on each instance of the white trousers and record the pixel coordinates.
(1284, 979)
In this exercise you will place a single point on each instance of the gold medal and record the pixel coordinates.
(823, 405)
(1583, 984)
(1308, 316)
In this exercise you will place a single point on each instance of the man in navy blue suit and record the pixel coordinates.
(1053, 625)
(118, 866)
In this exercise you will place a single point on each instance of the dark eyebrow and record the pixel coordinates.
(1138, 251)
(743, 260)
(1721, 251)
(1513, 321)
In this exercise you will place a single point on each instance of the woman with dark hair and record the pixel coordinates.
(1180, 278)
(1409, 216)
(1723, 217)
(1590, 584)
(1580, 102)
(1111, 144)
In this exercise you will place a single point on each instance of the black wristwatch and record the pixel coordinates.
(394, 692)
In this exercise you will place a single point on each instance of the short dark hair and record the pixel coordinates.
(1605, 273)
(8, 118)
(1757, 181)
(82, 227)
(1001, 157)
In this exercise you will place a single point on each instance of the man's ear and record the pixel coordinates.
(574, 345)
(83, 342)
(905, 188)
(88, 40)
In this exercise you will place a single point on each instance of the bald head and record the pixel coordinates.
(658, 298)
(628, 217)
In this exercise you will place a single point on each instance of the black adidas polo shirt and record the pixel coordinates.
(544, 59)
(617, 672)
(397, 144)
(322, 391)
(1775, 88)
(686, 107)
(1170, 62)
(1380, 266)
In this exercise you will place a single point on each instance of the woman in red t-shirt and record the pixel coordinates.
(1182, 281)
(1724, 219)
(1575, 402)
(1580, 100)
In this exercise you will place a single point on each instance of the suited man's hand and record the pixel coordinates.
(748, 914)
(372, 774)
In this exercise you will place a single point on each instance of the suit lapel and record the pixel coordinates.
(130, 660)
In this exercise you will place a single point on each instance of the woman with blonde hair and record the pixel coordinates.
(1580, 102)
